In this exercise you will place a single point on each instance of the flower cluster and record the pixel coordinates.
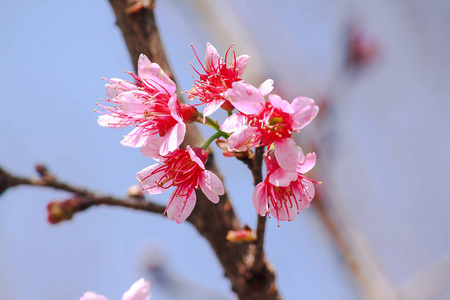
(151, 106)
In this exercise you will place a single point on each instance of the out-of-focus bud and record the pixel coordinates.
(135, 191)
(42, 170)
(241, 236)
(64, 210)
(244, 155)
(361, 50)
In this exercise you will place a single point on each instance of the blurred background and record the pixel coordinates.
(379, 226)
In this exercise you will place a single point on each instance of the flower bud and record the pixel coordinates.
(189, 113)
(240, 236)
(64, 210)
(135, 191)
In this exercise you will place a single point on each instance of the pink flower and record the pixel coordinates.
(140, 290)
(263, 123)
(283, 193)
(150, 105)
(183, 169)
(218, 78)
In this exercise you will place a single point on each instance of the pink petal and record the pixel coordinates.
(233, 122)
(175, 109)
(281, 177)
(194, 157)
(180, 207)
(287, 212)
(307, 164)
(288, 153)
(111, 121)
(134, 103)
(259, 199)
(117, 86)
(148, 181)
(242, 139)
(276, 101)
(211, 107)
(211, 185)
(308, 191)
(241, 62)
(246, 98)
(305, 112)
(266, 87)
(92, 296)
(212, 58)
(140, 290)
(173, 138)
(155, 76)
(152, 149)
(138, 137)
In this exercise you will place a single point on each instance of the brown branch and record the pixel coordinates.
(7, 180)
(212, 221)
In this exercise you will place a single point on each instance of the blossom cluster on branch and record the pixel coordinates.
(151, 106)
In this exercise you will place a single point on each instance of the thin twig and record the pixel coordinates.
(261, 226)
(7, 180)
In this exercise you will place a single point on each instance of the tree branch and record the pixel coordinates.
(7, 180)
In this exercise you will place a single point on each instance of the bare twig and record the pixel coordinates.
(7, 180)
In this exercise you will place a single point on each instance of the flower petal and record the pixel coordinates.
(212, 58)
(111, 121)
(307, 164)
(276, 101)
(138, 137)
(152, 149)
(288, 154)
(180, 207)
(92, 296)
(155, 76)
(305, 111)
(241, 62)
(134, 103)
(211, 185)
(194, 157)
(148, 180)
(212, 106)
(233, 122)
(117, 86)
(140, 290)
(259, 199)
(242, 139)
(266, 87)
(173, 138)
(245, 97)
(175, 108)
(281, 177)
(287, 211)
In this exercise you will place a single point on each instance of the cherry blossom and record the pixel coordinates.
(218, 78)
(283, 193)
(150, 105)
(140, 290)
(263, 123)
(183, 169)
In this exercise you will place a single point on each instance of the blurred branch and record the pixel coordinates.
(354, 250)
(212, 221)
(7, 180)
(429, 283)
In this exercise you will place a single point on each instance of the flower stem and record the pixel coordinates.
(210, 122)
(213, 137)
